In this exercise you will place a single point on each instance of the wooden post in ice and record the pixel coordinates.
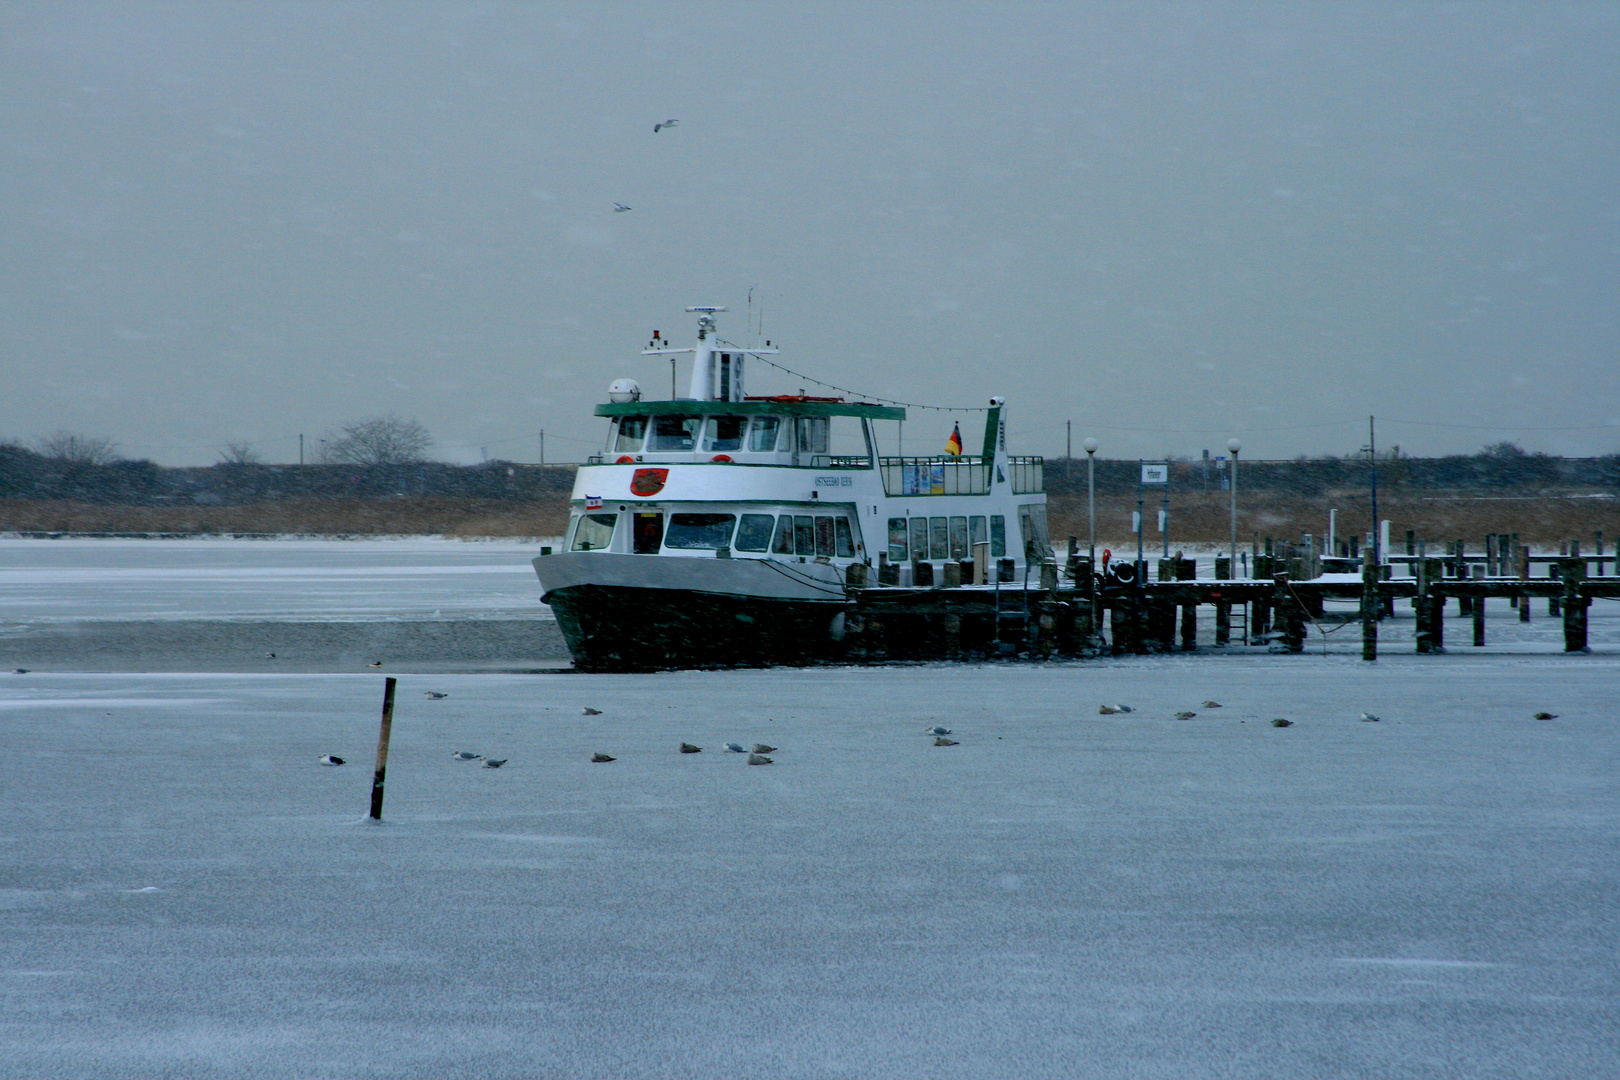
(382, 750)
(1370, 604)
(1223, 608)
(1479, 620)
(1573, 572)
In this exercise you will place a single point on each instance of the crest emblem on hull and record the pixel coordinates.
(648, 481)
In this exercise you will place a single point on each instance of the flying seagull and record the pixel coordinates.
(619, 208)
(435, 695)
(588, 711)
(466, 755)
(758, 759)
(689, 748)
(494, 762)
(666, 124)
(331, 759)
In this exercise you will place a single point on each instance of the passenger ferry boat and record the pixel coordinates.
(721, 530)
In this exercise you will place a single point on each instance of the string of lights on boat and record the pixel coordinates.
(846, 390)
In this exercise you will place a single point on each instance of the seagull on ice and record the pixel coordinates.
(938, 730)
(940, 740)
(759, 759)
(1110, 710)
(1185, 714)
(736, 748)
(761, 748)
(666, 124)
(1370, 718)
(20, 671)
(1280, 722)
(689, 748)
(1546, 716)
(466, 755)
(331, 759)
(598, 758)
(435, 695)
(375, 663)
(1212, 704)
(588, 711)
(619, 208)
(494, 762)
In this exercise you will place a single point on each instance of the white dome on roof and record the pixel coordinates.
(622, 390)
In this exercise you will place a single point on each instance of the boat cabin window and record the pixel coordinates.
(723, 434)
(629, 433)
(897, 540)
(998, 536)
(804, 534)
(699, 531)
(813, 434)
(594, 532)
(846, 541)
(976, 534)
(939, 539)
(647, 533)
(674, 432)
(1032, 522)
(763, 434)
(754, 532)
(959, 538)
(919, 538)
(782, 543)
(824, 536)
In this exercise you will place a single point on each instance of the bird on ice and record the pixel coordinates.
(1185, 714)
(1370, 718)
(20, 671)
(1212, 704)
(331, 759)
(1110, 710)
(1280, 722)
(588, 711)
(619, 208)
(598, 758)
(466, 755)
(375, 663)
(494, 762)
(435, 695)
(666, 124)
(1546, 716)
(938, 730)
(736, 748)
(759, 759)
(761, 748)
(690, 748)
(940, 740)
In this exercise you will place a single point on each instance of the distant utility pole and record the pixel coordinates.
(1068, 446)
(300, 448)
(542, 446)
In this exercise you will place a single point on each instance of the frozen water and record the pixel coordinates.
(189, 893)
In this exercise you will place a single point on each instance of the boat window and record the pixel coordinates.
(647, 534)
(723, 433)
(939, 540)
(594, 532)
(897, 540)
(754, 532)
(782, 544)
(998, 536)
(673, 432)
(1035, 539)
(804, 535)
(631, 433)
(812, 434)
(762, 436)
(919, 538)
(959, 538)
(976, 534)
(824, 536)
(846, 542)
(699, 531)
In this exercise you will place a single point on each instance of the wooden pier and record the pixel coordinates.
(1077, 612)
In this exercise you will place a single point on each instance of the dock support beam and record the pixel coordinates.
(1371, 605)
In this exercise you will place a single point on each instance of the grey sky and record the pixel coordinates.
(1168, 223)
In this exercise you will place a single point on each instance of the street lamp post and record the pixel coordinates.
(1234, 445)
(1090, 447)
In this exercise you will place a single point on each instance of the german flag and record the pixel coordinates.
(953, 445)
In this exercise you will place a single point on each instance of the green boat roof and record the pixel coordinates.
(757, 407)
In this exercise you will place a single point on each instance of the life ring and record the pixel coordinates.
(1123, 572)
(625, 459)
(721, 457)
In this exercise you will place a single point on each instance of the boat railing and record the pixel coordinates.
(942, 475)
(1028, 475)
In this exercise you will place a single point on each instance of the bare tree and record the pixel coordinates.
(239, 453)
(77, 449)
(379, 440)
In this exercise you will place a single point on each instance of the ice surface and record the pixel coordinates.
(1061, 894)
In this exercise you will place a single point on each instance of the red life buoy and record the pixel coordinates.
(721, 457)
(625, 459)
